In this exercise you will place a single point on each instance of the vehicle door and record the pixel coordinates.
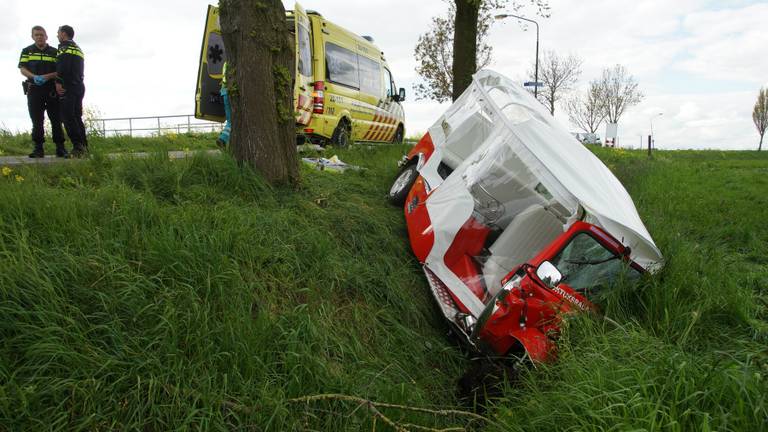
(208, 102)
(370, 114)
(302, 92)
(390, 108)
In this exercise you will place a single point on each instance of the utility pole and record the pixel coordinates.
(649, 145)
(536, 68)
(650, 137)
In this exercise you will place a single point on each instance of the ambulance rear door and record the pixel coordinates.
(304, 86)
(208, 103)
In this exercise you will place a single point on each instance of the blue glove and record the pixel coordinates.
(39, 80)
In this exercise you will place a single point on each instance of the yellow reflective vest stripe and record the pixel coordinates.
(38, 57)
(73, 51)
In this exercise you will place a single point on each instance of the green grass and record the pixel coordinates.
(159, 295)
(149, 294)
(686, 350)
(21, 144)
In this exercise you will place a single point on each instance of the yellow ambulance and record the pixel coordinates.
(344, 90)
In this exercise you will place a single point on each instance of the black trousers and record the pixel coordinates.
(39, 101)
(72, 114)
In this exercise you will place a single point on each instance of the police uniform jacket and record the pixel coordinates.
(39, 61)
(70, 64)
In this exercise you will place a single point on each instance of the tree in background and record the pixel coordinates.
(587, 111)
(260, 69)
(619, 91)
(760, 115)
(558, 75)
(434, 53)
(448, 56)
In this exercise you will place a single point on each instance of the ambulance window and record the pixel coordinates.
(388, 84)
(305, 53)
(370, 76)
(341, 65)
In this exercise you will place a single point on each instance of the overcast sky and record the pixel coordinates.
(699, 62)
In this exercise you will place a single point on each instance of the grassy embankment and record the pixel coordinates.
(21, 144)
(163, 295)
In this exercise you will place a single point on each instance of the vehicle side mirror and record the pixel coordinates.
(549, 274)
(400, 96)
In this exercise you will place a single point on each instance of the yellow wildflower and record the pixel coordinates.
(19, 178)
(7, 171)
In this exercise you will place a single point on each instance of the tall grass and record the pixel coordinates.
(149, 294)
(159, 295)
(685, 350)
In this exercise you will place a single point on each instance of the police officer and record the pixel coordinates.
(38, 64)
(71, 88)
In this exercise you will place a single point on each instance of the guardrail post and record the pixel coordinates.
(130, 128)
(158, 126)
(189, 124)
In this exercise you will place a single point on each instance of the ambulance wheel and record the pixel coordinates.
(341, 135)
(402, 185)
(398, 138)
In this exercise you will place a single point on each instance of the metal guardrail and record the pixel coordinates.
(156, 125)
(139, 126)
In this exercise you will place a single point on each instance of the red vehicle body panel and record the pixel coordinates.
(419, 225)
(424, 146)
(531, 314)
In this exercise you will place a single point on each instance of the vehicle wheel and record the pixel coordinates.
(398, 138)
(402, 185)
(341, 135)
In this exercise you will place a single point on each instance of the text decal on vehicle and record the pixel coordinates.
(570, 298)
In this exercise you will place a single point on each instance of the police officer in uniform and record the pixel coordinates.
(38, 64)
(71, 88)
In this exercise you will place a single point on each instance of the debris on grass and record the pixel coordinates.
(332, 164)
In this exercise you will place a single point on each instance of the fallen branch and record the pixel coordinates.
(373, 407)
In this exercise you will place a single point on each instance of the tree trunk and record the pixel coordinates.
(260, 74)
(760, 147)
(465, 45)
(552, 104)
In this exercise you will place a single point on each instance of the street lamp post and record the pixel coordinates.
(653, 117)
(536, 68)
(651, 140)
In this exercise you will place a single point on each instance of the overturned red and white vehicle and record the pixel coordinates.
(514, 220)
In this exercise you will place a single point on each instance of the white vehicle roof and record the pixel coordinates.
(504, 144)
(570, 172)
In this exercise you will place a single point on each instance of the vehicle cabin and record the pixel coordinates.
(344, 90)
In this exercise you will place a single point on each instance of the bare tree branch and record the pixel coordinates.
(619, 92)
(373, 408)
(558, 76)
(587, 111)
